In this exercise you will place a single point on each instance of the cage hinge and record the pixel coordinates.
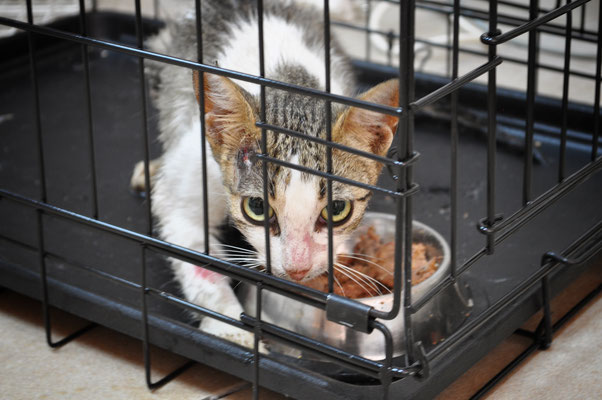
(348, 312)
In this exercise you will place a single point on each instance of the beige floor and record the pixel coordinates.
(102, 364)
(568, 370)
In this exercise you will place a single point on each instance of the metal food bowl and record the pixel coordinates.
(435, 321)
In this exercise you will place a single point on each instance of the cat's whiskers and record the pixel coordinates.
(365, 278)
(369, 278)
(353, 257)
(339, 284)
(348, 275)
(228, 247)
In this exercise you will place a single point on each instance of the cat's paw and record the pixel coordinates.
(230, 333)
(138, 179)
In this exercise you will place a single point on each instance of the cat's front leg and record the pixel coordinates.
(213, 291)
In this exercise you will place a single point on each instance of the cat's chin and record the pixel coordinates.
(309, 277)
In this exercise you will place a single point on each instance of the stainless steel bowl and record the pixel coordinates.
(440, 317)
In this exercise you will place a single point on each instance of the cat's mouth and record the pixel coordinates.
(297, 276)
(302, 276)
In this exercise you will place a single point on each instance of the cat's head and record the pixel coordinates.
(298, 200)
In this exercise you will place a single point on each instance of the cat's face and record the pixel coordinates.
(298, 211)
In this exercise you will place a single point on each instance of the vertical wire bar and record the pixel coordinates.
(405, 142)
(264, 141)
(94, 6)
(91, 152)
(328, 112)
(144, 289)
(565, 94)
(385, 372)
(43, 193)
(454, 140)
(266, 200)
(199, 40)
(36, 102)
(531, 90)
(390, 38)
(143, 263)
(582, 23)
(257, 332)
(41, 172)
(156, 10)
(547, 314)
(597, 91)
(449, 49)
(368, 53)
(147, 181)
(491, 127)
(145, 336)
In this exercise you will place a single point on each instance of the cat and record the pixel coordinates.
(294, 53)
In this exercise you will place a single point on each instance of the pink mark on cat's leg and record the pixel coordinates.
(206, 274)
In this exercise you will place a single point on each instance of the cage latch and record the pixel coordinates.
(348, 312)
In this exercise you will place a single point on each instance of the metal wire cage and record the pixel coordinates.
(504, 120)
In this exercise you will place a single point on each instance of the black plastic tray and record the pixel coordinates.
(119, 145)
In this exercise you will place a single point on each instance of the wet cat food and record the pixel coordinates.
(368, 271)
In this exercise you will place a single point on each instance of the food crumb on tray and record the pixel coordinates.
(368, 271)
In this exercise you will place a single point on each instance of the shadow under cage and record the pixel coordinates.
(504, 174)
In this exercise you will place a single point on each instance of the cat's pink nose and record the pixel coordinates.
(298, 274)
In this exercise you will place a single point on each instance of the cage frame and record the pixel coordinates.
(494, 228)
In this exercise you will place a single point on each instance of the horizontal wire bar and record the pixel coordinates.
(558, 30)
(339, 146)
(289, 289)
(518, 5)
(133, 285)
(488, 39)
(349, 359)
(301, 343)
(74, 263)
(298, 340)
(545, 199)
(206, 312)
(76, 38)
(206, 261)
(499, 305)
(337, 178)
(446, 8)
(506, 58)
(455, 84)
(576, 178)
(95, 271)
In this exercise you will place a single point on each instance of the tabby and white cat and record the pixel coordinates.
(294, 53)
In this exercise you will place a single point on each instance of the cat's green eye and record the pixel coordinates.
(341, 210)
(252, 209)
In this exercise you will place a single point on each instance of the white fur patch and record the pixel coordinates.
(283, 43)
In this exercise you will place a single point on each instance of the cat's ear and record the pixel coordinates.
(229, 118)
(369, 130)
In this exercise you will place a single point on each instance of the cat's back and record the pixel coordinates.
(293, 40)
